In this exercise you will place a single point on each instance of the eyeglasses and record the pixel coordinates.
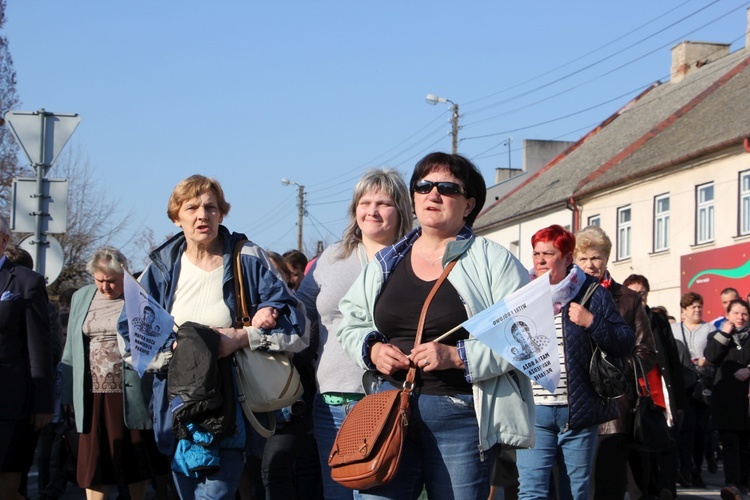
(444, 188)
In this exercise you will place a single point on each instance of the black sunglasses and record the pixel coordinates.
(444, 188)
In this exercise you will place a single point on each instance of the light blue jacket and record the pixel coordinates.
(484, 274)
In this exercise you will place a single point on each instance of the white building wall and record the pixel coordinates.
(663, 268)
(517, 237)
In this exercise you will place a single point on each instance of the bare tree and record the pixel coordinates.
(95, 219)
(94, 215)
(9, 164)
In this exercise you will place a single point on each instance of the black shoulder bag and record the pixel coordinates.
(606, 376)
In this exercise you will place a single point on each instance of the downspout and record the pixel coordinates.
(747, 144)
(576, 216)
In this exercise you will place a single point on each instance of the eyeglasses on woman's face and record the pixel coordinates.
(443, 187)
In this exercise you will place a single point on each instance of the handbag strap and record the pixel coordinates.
(242, 320)
(636, 365)
(586, 296)
(243, 315)
(409, 382)
(589, 292)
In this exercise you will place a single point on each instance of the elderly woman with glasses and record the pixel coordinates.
(466, 399)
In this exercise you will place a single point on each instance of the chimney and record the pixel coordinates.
(503, 174)
(687, 56)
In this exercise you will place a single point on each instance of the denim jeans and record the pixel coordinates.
(327, 420)
(221, 485)
(441, 452)
(576, 447)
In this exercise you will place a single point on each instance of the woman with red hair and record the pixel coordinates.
(567, 419)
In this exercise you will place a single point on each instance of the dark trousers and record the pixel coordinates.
(55, 457)
(653, 472)
(693, 435)
(610, 471)
(736, 456)
(290, 467)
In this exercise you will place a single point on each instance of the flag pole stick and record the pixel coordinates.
(447, 334)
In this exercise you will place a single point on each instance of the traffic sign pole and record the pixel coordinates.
(41, 135)
(40, 233)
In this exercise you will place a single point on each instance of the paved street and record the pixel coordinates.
(714, 483)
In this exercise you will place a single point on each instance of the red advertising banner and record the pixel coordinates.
(710, 272)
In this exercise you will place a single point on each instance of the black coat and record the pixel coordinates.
(729, 401)
(629, 305)
(669, 358)
(200, 385)
(26, 369)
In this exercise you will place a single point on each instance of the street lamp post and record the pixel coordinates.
(433, 99)
(300, 209)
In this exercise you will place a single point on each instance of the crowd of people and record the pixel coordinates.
(348, 320)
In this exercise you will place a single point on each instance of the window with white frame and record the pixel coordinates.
(595, 220)
(704, 213)
(623, 233)
(661, 223)
(745, 202)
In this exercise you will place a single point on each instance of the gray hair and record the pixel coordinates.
(107, 260)
(389, 181)
(4, 227)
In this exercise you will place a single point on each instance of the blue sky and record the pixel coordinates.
(317, 92)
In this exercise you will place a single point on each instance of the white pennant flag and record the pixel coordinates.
(521, 329)
(149, 324)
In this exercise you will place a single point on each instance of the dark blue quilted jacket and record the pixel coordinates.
(613, 335)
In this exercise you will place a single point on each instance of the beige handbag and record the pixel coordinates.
(266, 380)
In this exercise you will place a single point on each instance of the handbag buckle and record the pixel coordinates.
(408, 386)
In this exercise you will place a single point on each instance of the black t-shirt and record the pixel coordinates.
(397, 313)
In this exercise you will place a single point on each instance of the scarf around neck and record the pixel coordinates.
(739, 336)
(567, 289)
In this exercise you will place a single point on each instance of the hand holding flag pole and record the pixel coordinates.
(521, 329)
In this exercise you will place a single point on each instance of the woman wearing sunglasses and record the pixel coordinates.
(466, 398)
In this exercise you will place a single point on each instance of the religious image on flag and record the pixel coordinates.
(149, 324)
(521, 329)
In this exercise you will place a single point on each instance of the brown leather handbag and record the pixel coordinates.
(367, 449)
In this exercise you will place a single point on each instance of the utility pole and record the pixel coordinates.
(300, 209)
(433, 100)
(454, 128)
(300, 215)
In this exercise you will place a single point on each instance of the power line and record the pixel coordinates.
(372, 161)
(603, 74)
(595, 63)
(322, 225)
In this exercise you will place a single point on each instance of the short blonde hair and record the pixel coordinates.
(192, 187)
(593, 237)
